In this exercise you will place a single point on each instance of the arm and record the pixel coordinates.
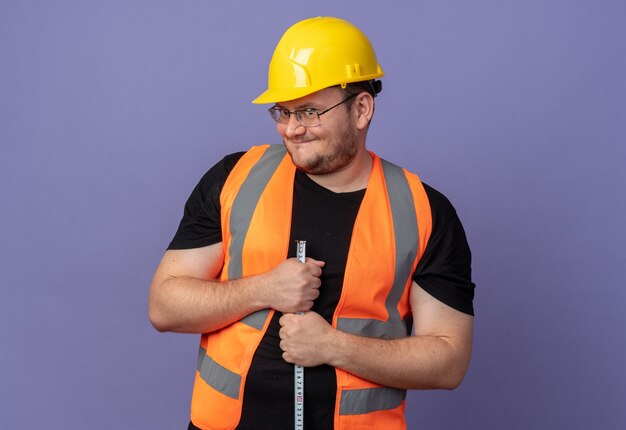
(436, 356)
(186, 298)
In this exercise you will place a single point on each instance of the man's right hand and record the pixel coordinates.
(292, 286)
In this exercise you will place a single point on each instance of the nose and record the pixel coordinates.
(294, 128)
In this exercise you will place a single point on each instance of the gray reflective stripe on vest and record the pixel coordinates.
(406, 237)
(394, 329)
(366, 400)
(405, 232)
(241, 215)
(217, 376)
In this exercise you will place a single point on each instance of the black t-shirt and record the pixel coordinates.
(320, 217)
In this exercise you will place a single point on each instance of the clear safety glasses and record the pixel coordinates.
(308, 117)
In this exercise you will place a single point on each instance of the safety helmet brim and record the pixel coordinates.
(278, 95)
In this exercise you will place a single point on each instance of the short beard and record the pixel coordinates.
(324, 164)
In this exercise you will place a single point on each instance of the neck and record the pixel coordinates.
(352, 177)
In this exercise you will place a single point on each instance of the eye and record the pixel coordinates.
(309, 113)
(283, 113)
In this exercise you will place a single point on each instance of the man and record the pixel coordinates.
(385, 254)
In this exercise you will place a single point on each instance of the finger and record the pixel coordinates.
(318, 263)
(315, 270)
(283, 320)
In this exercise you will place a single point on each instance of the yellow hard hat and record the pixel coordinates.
(318, 53)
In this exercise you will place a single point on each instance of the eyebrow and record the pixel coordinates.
(300, 107)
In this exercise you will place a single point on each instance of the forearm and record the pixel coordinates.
(191, 305)
(423, 361)
(185, 299)
(417, 362)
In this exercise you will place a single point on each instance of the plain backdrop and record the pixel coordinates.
(110, 112)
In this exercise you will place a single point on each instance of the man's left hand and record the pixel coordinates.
(306, 339)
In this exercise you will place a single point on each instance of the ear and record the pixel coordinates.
(363, 107)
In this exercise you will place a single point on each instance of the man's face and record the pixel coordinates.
(326, 148)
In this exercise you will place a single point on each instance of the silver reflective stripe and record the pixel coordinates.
(405, 232)
(256, 319)
(241, 216)
(217, 376)
(366, 400)
(375, 328)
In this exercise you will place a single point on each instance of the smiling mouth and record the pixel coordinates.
(301, 142)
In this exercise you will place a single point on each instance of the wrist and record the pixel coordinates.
(337, 348)
(259, 291)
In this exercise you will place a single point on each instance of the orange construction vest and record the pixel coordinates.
(394, 221)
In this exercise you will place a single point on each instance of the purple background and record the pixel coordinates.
(110, 111)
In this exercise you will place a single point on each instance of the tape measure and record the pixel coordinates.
(299, 370)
